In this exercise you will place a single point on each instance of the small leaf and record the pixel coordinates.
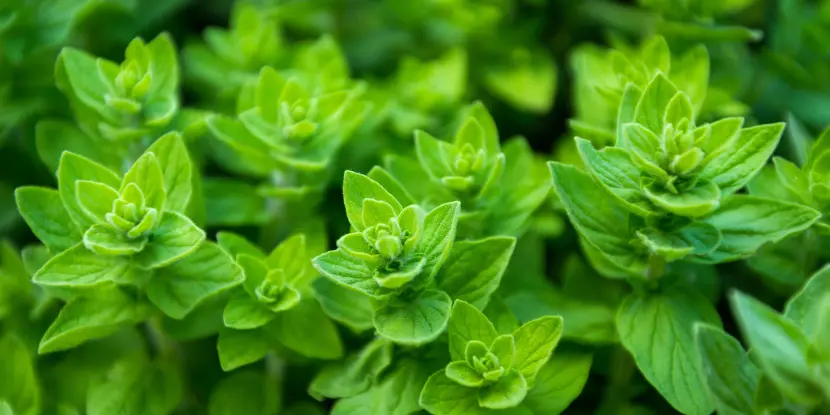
(416, 321)
(467, 323)
(19, 389)
(177, 170)
(474, 269)
(464, 375)
(103, 240)
(79, 267)
(804, 308)
(733, 169)
(73, 168)
(175, 238)
(45, 214)
(535, 341)
(656, 97)
(597, 216)
(615, 170)
(730, 375)
(244, 392)
(780, 346)
(442, 395)
(356, 188)
(235, 245)
(95, 199)
(180, 287)
(507, 392)
(245, 313)
(354, 374)
(147, 175)
(348, 272)
(135, 386)
(307, 330)
(438, 235)
(748, 222)
(348, 307)
(698, 201)
(91, 316)
(559, 382)
(237, 348)
(396, 393)
(658, 331)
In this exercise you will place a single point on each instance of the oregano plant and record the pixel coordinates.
(514, 207)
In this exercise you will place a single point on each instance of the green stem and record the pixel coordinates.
(616, 395)
(163, 346)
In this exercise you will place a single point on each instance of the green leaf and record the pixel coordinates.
(462, 373)
(596, 216)
(434, 155)
(657, 329)
(617, 173)
(804, 308)
(356, 188)
(392, 185)
(180, 287)
(238, 348)
(527, 81)
(535, 341)
(468, 323)
(438, 235)
(696, 238)
(507, 392)
(698, 201)
(93, 315)
(45, 214)
(146, 173)
(416, 321)
(442, 395)
(730, 375)
(348, 271)
(747, 222)
(96, 199)
(19, 387)
(307, 330)
(175, 238)
(135, 386)
(396, 393)
(559, 382)
(733, 169)
(232, 202)
(346, 306)
(177, 170)
(244, 392)
(235, 245)
(473, 271)
(79, 267)
(290, 256)
(781, 347)
(5, 409)
(103, 240)
(245, 313)
(53, 137)
(73, 168)
(353, 375)
(656, 97)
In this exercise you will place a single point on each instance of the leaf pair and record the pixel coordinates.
(126, 101)
(489, 370)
